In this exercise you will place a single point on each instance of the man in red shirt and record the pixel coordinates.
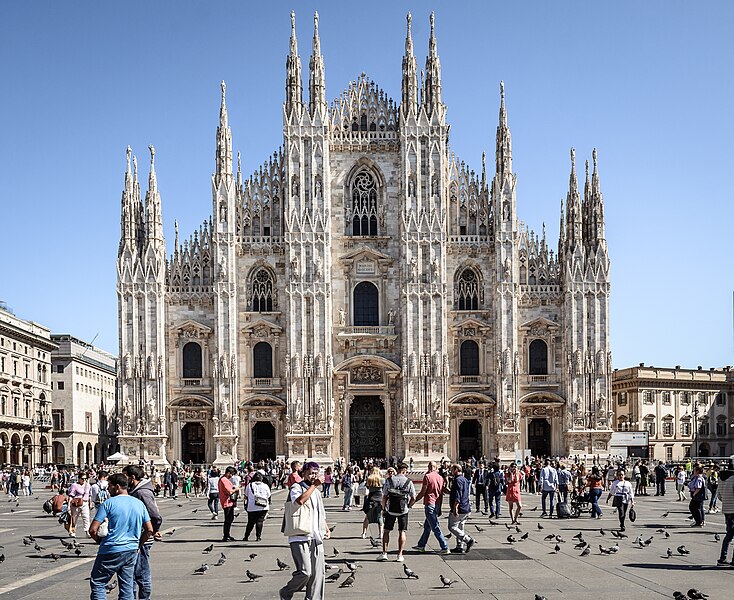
(431, 491)
(228, 500)
(295, 476)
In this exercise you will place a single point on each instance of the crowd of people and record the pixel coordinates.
(120, 512)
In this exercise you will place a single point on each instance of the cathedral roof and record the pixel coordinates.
(362, 108)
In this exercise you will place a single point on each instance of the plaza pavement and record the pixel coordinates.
(493, 569)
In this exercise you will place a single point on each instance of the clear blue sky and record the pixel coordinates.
(648, 83)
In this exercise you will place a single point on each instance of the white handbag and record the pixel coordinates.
(298, 519)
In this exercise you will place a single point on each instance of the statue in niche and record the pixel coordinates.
(413, 365)
(414, 269)
(508, 268)
(434, 269)
(317, 189)
(434, 185)
(150, 411)
(223, 267)
(320, 410)
(318, 267)
(215, 370)
(223, 212)
(516, 363)
(149, 368)
(506, 210)
(233, 367)
(224, 409)
(223, 366)
(391, 317)
(295, 266)
(342, 316)
(299, 409)
(126, 366)
(411, 187)
(294, 187)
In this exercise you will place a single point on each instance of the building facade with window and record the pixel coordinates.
(84, 380)
(25, 391)
(363, 293)
(686, 412)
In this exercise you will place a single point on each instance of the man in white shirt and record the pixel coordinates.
(308, 550)
(548, 486)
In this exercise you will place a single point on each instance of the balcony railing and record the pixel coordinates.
(191, 382)
(540, 380)
(468, 380)
(369, 330)
(263, 381)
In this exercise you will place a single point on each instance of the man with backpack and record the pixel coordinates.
(495, 491)
(100, 489)
(397, 494)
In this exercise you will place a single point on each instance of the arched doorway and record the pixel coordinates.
(15, 449)
(4, 443)
(470, 439)
(44, 450)
(89, 457)
(59, 454)
(263, 440)
(80, 455)
(27, 451)
(193, 443)
(366, 428)
(539, 434)
(704, 450)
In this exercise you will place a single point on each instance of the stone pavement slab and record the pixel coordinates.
(494, 569)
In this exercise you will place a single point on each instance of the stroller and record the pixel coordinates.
(580, 503)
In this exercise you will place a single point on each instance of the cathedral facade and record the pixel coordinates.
(363, 294)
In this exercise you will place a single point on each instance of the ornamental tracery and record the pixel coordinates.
(364, 207)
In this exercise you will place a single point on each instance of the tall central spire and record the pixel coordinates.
(293, 85)
(154, 219)
(317, 80)
(432, 84)
(224, 139)
(503, 155)
(410, 74)
(574, 217)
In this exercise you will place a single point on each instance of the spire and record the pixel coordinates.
(586, 208)
(153, 218)
(484, 170)
(503, 153)
(561, 233)
(317, 80)
(127, 218)
(224, 139)
(138, 208)
(410, 73)
(239, 171)
(574, 218)
(432, 92)
(597, 207)
(175, 243)
(293, 86)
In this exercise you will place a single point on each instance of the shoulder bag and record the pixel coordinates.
(260, 501)
(298, 518)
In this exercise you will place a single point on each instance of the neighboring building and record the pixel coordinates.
(25, 391)
(363, 293)
(666, 403)
(84, 380)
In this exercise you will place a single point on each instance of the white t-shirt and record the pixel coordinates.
(317, 509)
(213, 485)
(257, 488)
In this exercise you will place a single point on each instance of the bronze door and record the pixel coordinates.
(366, 428)
(263, 441)
(539, 437)
(192, 443)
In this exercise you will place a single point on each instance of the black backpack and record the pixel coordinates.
(397, 498)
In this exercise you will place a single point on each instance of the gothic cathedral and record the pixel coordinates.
(363, 294)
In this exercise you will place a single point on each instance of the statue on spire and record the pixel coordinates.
(152, 153)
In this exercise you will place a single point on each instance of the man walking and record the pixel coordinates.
(142, 489)
(726, 495)
(308, 550)
(129, 528)
(564, 483)
(548, 486)
(480, 481)
(496, 489)
(460, 510)
(431, 493)
(397, 494)
(228, 500)
(660, 474)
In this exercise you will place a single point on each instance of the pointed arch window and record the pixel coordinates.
(538, 357)
(364, 204)
(466, 290)
(262, 291)
(366, 305)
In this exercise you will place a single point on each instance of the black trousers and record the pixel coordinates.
(482, 493)
(228, 520)
(255, 518)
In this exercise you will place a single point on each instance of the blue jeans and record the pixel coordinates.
(105, 567)
(213, 503)
(552, 494)
(431, 524)
(143, 577)
(594, 495)
(728, 537)
(495, 502)
(347, 497)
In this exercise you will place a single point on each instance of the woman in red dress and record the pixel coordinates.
(513, 479)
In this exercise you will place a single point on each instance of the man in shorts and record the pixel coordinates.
(398, 493)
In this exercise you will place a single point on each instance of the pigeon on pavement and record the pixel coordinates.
(349, 581)
(202, 569)
(252, 576)
(447, 582)
(409, 573)
(281, 564)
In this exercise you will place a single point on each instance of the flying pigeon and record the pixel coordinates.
(447, 582)
(252, 576)
(409, 573)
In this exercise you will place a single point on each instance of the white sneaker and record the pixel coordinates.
(364, 535)
(382, 557)
(400, 558)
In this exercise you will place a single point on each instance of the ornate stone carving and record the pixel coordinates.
(365, 373)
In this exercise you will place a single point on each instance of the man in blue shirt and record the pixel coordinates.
(548, 487)
(460, 509)
(128, 528)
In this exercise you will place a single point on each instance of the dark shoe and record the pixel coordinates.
(621, 528)
(229, 539)
(458, 550)
(258, 539)
(722, 563)
(469, 544)
(245, 539)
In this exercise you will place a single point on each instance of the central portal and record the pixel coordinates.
(539, 437)
(366, 428)
(470, 439)
(192, 443)
(263, 441)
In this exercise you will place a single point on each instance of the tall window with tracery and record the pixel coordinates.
(364, 204)
(466, 290)
(262, 292)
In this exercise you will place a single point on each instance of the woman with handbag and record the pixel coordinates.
(258, 503)
(372, 505)
(623, 495)
(79, 493)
